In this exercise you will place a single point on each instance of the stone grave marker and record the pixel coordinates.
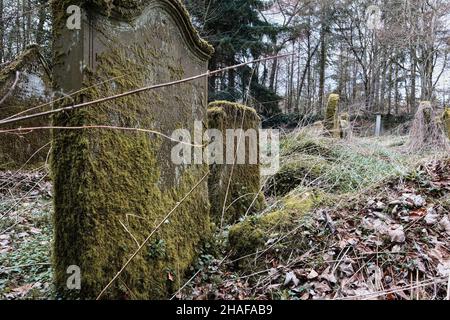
(113, 187)
(238, 170)
(24, 83)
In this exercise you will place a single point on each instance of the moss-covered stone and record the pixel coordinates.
(426, 133)
(296, 171)
(112, 188)
(33, 88)
(251, 235)
(241, 180)
(331, 121)
(309, 144)
(345, 130)
(446, 120)
(129, 10)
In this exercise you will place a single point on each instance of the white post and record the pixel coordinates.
(378, 126)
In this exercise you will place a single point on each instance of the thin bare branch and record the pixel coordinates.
(11, 90)
(150, 236)
(139, 90)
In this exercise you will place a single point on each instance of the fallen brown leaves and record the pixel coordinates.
(392, 243)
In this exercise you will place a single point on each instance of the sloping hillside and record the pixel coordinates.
(354, 220)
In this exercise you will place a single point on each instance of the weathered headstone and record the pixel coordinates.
(240, 177)
(113, 187)
(345, 127)
(24, 83)
(426, 133)
(446, 118)
(378, 126)
(331, 120)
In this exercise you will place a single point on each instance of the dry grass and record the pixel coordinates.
(426, 134)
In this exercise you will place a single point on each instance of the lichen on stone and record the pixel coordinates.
(446, 120)
(241, 180)
(112, 188)
(33, 88)
(296, 171)
(128, 10)
(331, 116)
(345, 130)
(252, 234)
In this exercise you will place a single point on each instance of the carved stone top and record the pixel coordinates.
(33, 78)
(128, 10)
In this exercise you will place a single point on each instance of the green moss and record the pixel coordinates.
(331, 115)
(107, 179)
(298, 170)
(252, 234)
(296, 204)
(18, 150)
(232, 106)
(307, 144)
(446, 119)
(345, 116)
(127, 10)
(245, 178)
(344, 126)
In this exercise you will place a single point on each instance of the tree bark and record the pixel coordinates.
(40, 32)
(322, 65)
(2, 33)
(413, 80)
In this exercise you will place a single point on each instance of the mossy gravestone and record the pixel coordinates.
(237, 169)
(113, 187)
(446, 118)
(331, 121)
(345, 130)
(24, 83)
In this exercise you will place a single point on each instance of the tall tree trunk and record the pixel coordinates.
(413, 80)
(212, 79)
(24, 24)
(374, 88)
(40, 32)
(383, 89)
(354, 82)
(2, 33)
(306, 72)
(322, 65)
(232, 78)
(18, 29)
(28, 17)
(273, 73)
(397, 93)
(291, 81)
(390, 81)
(407, 92)
(427, 79)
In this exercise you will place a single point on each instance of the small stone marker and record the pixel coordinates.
(345, 127)
(331, 121)
(446, 119)
(378, 126)
(242, 179)
(24, 83)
